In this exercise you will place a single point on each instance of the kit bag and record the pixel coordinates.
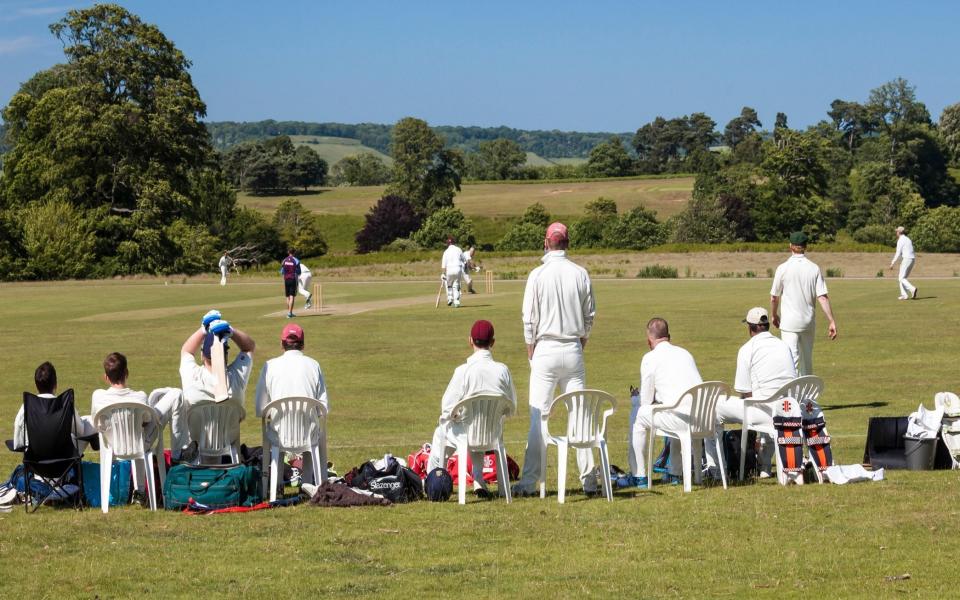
(212, 486)
(121, 483)
(388, 478)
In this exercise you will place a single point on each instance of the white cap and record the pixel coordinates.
(756, 315)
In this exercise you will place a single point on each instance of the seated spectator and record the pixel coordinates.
(199, 380)
(45, 379)
(292, 374)
(666, 372)
(479, 375)
(115, 374)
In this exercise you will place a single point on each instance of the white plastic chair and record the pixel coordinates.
(477, 424)
(121, 428)
(294, 425)
(586, 428)
(801, 389)
(215, 426)
(701, 425)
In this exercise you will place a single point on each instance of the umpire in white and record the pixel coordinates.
(558, 311)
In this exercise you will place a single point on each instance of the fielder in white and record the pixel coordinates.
(292, 374)
(304, 280)
(764, 365)
(479, 375)
(224, 268)
(468, 267)
(451, 269)
(906, 257)
(558, 312)
(798, 285)
(666, 372)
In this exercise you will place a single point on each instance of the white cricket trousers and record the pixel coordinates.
(801, 346)
(555, 364)
(906, 288)
(223, 275)
(453, 287)
(171, 409)
(641, 434)
(730, 410)
(439, 451)
(303, 285)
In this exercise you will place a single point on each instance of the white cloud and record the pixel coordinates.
(19, 44)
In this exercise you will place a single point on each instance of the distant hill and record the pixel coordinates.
(554, 144)
(332, 149)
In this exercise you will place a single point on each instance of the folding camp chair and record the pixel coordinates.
(51, 452)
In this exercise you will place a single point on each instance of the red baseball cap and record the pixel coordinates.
(291, 333)
(482, 331)
(557, 232)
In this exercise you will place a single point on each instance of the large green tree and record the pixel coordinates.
(609, 159)
(424, 172)
(950, 131)
(497, 159)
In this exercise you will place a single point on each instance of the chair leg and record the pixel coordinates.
(322, 454)
(274, 471)
(135, 475)
(106, 466)
(318, 474)
(723, 463)
(686, 450)
(561, 471)
(503, 472)
(744, 434)
(650, 438)
(462, 455)
(543, 469)
(161, 462)
(605, 463)
(696, 450)
(151, 486)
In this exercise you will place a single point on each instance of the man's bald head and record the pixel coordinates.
(657, 329)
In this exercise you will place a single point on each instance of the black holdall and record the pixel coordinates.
(388, 478)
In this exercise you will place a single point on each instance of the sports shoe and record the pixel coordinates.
(640, 482)
(522, 492)
(456, 305)
(290, 315)
(309, 301)
(449, 302)
(915, 290)
(671, 479)
(483, 494)
(903, 298)
(764, 474)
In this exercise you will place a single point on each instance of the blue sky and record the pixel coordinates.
(586, 66)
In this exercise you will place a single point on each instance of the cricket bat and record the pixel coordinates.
(439, 292)
(218, 361)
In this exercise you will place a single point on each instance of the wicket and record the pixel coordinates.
(317, 297)
(488, 282)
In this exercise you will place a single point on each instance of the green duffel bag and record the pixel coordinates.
(212, 486)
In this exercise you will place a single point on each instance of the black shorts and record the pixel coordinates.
(290, 287)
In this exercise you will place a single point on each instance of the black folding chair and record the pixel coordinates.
(51, 451)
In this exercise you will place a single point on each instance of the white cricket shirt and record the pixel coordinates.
(764, 365)
(798, 283)
(904, 249)
(558, 302)
(198, 383)
(666, 372)
(452, 261)
(112, 395)
(288, 375)
(479, 375)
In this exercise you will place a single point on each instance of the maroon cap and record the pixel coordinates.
(291, 333)
(482, 331)
(557, 232)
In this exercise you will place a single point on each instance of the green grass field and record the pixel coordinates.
(386, 370)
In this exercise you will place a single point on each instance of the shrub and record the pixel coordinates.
(636, 230)
(195, 248)
(402, 245)
(834, 272)
(299, 229)
(876, 234)
(523, 236)
(252, 239)
(390, 218)
(57, 240)
(536, 214)
(588, 231)
(703, 221)
(446, 221)
(938, 230)
(657, 271)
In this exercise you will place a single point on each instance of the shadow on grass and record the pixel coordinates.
(861, 405)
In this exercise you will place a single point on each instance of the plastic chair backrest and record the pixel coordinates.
(801, 389)
(212, 425)
(703, 405)
(480, 418)
(294, 422)
(121, 425)
(586, 417)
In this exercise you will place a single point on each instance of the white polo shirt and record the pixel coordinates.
(111, 395)
(904, 249)
(479, 375)
(558, 302)
(452, 261)
(292, 374)
(764, 365)
(798, 283)
(666, 372)
(198, 383)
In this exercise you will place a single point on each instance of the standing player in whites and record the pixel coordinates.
(224, 267)
(906, 257)
(451, 267)
(290, 270)
(304, 281)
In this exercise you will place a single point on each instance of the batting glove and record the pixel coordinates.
(210, 317)
(221, 329)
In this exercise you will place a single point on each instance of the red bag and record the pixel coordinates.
(417, 462)
(489, 468)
